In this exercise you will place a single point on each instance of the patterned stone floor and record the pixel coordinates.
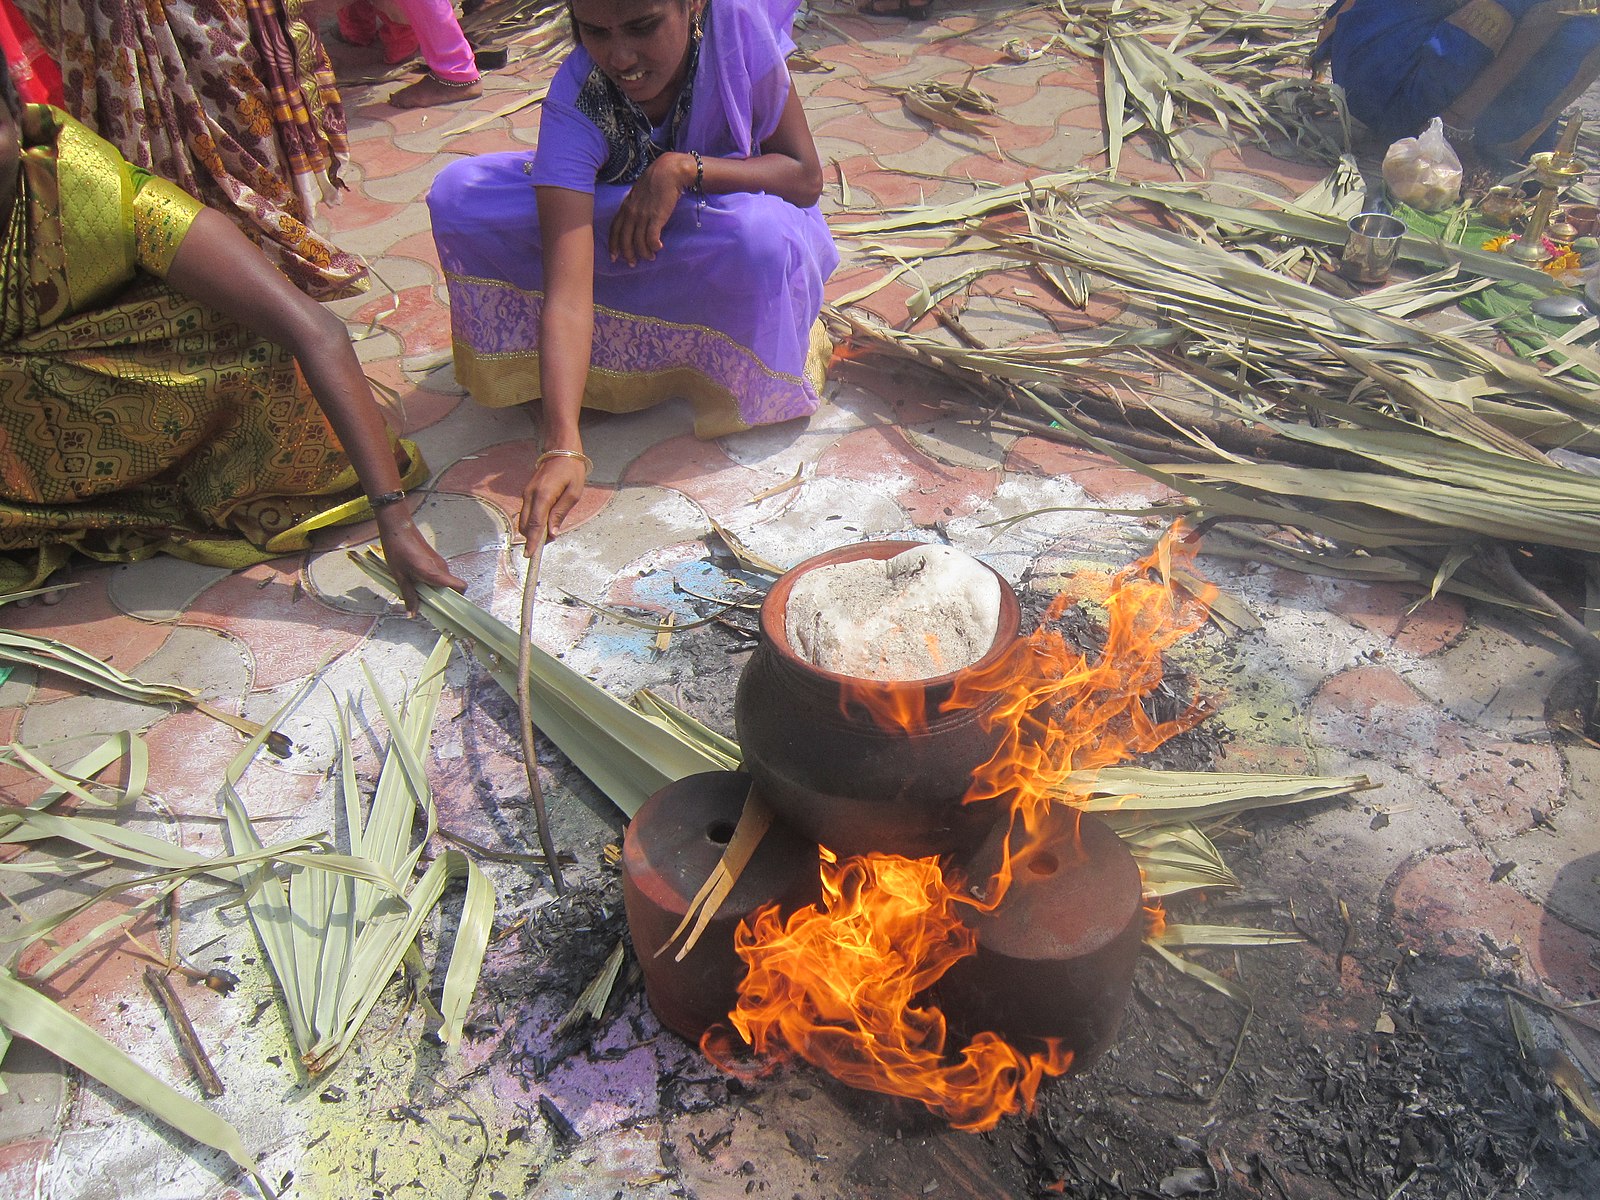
(1479, 837)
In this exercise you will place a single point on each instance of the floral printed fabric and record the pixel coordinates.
(233, 100)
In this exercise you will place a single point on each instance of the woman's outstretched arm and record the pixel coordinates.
(218, 266)
(566, 341)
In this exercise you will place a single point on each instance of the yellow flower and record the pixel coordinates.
(1567, 260)
(1498, 243)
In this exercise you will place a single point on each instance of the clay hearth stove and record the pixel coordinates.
(975, 893)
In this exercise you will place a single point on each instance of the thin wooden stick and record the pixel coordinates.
(194, 1054)
(530, 761)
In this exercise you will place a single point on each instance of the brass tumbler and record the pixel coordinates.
(1372, 247)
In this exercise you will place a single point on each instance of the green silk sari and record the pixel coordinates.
(132, 419)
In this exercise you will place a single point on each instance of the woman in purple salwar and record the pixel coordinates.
(663, 240)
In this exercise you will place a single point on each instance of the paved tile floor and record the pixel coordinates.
(1442, 706)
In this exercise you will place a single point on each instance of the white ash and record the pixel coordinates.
(925, 612)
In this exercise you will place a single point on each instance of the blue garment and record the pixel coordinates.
(1403, 62)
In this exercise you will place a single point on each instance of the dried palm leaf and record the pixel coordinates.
(1446, 493)
(1169, 939)
(26, 1013)
(1314, 113)
(985, 202)
(151, 862)
(48, 654)
(755, 818)
(1144, 795)
(949, 106)
(1223, 935)
(527, 99)
(1152, 79)
(1307, 219)
(661, 626)
(747, 559)
(722, 750)
(794, 481)
(591, 1002)
(1205, 975)
(334, 941)
(1176, 858)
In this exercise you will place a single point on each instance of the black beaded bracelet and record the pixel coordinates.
(699, 185)
(386, 499)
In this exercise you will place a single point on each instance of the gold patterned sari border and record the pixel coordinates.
(620, 314)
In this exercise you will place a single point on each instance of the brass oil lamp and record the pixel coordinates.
(1555, 171)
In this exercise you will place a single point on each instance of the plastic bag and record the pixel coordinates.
(1424, 171)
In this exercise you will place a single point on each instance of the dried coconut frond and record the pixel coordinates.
(333, 940)
(950, 106)
(62, 658)
(591, 1002)
(1174, 858)
(1142, 795)
(152, 865)
(1158, 67)
(713, 745)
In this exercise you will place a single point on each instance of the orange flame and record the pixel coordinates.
(1155, 919)
(843, 984)
(840, 986)
(1063, 713)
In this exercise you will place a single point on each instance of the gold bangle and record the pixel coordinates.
(588, 463)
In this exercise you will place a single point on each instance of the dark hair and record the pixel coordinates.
(572, 20)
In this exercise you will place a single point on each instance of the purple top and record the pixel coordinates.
(740, 91)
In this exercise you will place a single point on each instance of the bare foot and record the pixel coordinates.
(428, 91)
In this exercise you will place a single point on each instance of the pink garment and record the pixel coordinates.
(444, 46)
(361, 24)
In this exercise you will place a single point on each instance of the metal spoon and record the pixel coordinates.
(1566, 307)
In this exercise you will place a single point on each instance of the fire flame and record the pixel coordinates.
(842, 984)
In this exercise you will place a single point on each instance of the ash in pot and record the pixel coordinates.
(923, 613)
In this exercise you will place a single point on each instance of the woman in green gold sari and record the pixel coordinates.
(162, 386)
